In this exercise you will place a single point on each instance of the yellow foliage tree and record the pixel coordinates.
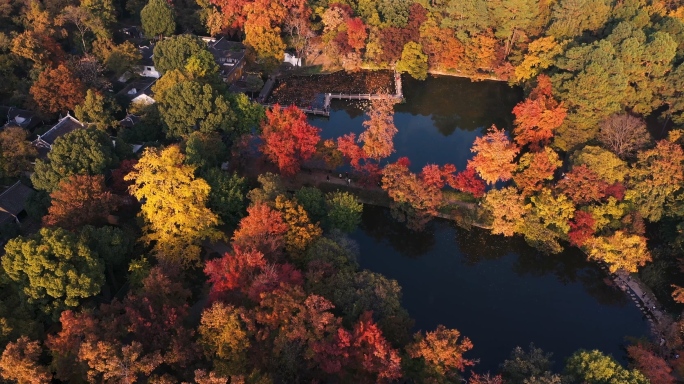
(224, 337)
(541, 54)
(300, 232)
(507, 208)
(174, 205)
(620, 251)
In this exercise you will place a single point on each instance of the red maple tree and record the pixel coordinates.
(288, 138)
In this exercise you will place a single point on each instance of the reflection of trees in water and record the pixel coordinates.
(478, 245)
(568, 267)
(452, 100)
(446, 124)
(377, 223)
(353, 108)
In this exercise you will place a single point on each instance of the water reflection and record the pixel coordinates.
(454, 102)
(378, 223)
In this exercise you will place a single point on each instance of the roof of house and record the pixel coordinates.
(65, 125)
(141, 86)
(129, 121)
(12, 116)
(13, 201)
(147, 52)
(228, 54)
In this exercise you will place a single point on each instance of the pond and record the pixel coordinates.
(499, 292)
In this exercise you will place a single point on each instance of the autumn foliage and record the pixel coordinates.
(378, 137)
(288, 138)
(494, 155)
(263, 230)
(57, 90)
(537, 116)
(80, 200)
(442, 350)
(654, 367)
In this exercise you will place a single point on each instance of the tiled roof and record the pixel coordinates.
(11, 116)
(64, 126)
(13, 201)
(137, 88)
(129, 121)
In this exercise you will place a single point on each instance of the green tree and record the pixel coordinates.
(84, 151)
(54, 269)
(102, 9)
(657, 174)
(646, 61)
(593, 367)
(248, 114)
(547, 221)
(190, 106)
(513, 18)
(467, 18)
(112, 244)
(354, 293)
(522, 366)
(313, 201)
(97, 110)
(227, 195)
(158, 19)
(16, 153)
(205, 150)
(271, 187)
(413, 61)
(174, 52)
(571, 18)
(344, 211)
(593, 85)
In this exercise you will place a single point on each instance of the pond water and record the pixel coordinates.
(499, 292)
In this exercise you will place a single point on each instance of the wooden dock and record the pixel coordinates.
(310, 111)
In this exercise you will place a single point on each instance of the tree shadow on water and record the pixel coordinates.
(378, 223)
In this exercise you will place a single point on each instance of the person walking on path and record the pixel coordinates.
(327, 177)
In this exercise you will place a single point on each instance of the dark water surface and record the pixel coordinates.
(499, 292)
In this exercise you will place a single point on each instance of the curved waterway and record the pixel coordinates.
(499, 292)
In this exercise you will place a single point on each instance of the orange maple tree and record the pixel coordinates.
(263, 230)
(357, 33)
(442, 351)
(57, 90)
(80, 200)
(534, 168)
(537, 116)
(494, 154)
(288, 138)
(378, 137)
(582, 185)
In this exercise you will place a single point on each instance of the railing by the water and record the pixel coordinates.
(311, 111)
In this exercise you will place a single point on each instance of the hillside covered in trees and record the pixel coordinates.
(155, 229)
